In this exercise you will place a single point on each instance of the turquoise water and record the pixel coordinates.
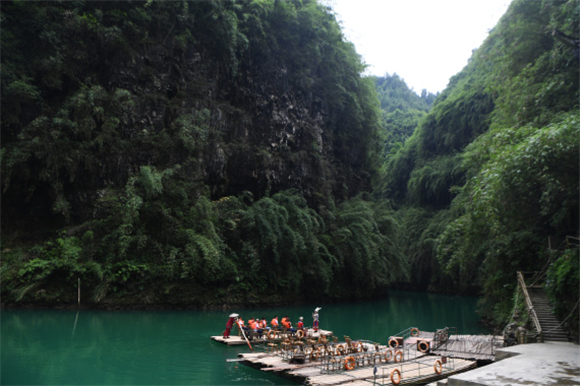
(58, 347)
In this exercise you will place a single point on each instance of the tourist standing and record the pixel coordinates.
(316, 319)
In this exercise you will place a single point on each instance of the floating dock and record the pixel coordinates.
(238, 340)
(415, 371)
(410, 357)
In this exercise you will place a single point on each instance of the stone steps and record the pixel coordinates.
(551, 329)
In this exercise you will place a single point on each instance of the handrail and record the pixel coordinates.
(531, 309)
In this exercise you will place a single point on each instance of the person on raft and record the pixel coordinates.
(300, 324)
(241, 325)
(229, 325)
(264, 324)
(287, 324)
(254, 326)
(316, 319)
(274, 323)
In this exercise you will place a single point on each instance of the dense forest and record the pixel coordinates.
(232, 152)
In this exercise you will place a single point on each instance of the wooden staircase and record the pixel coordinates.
(551, 329)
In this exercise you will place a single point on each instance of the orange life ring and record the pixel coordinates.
(438, 367)
(349, 363)
(414, 332)
(396, 382)
(388, 355)
(271, 334)
(300, 334)
(423, 346)
(398, 356)
(393, 342)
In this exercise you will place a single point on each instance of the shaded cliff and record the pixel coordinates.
(187, 152)
(257, 96)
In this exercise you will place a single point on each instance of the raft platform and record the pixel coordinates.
(238, 340)
(411, 357)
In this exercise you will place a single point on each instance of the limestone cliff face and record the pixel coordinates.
(194, 85)
(261, 133)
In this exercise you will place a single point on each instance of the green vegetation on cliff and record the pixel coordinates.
(193, 152)
(490, 177)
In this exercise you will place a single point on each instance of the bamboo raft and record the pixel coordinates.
(238, 340)
(417, 370)
(411, 357)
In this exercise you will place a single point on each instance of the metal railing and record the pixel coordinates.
(409, 372)
(530, 305)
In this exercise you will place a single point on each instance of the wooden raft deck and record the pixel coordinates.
(446, 352)
(238, 340)
(418, 370)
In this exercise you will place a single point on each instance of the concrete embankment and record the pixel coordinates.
(551, 363)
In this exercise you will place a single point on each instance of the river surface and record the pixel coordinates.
(58, 347)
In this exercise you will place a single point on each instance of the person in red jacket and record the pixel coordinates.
(229, 326)
(300, 324)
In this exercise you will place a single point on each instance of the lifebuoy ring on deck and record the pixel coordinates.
(393, 342)
(398, 356)
(300, 334)
(414, 332)
(388, 355)
(398, 379)
(423, 346)
(349, 363)
(438, 367)
(271, 334)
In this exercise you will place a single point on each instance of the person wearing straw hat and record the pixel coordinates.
(316, 318)
(229, 325)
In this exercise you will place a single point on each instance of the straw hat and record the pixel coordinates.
(234, 315)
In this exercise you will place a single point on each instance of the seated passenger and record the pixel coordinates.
(264, 324)
(287, 324)
(275, 324)
(300, 324)
(254, 326)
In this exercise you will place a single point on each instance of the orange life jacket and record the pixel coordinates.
(286, 322)
(253, 324)
(274, 322)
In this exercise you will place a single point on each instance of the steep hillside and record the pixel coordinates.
(238, 95)
(491, 174)
(402, 110)
(147, 143)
